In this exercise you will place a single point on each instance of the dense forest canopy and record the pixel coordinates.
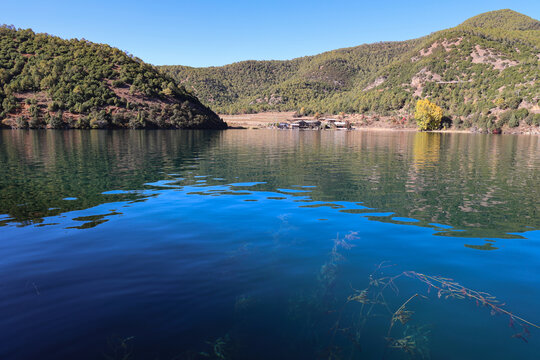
(483, 72)
(46, 81)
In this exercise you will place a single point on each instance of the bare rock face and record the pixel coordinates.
(491, 57)
(378, 81)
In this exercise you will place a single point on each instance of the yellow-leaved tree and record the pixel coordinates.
(428, 115)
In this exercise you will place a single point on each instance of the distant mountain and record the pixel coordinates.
(46, 81)
(483, 72)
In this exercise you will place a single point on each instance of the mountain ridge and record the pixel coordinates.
(476, 71)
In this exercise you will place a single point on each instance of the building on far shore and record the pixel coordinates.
(284, 125)
(306, 124)
(329, 120)
(299, 124)
(315, 124)
(337, 124)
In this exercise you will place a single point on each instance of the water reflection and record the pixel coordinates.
(480, 185)
(426, 149)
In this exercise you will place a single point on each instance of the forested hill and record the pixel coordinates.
(482, 71)
(46, 81)
(249, 86)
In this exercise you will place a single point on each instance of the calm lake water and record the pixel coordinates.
(268, 245)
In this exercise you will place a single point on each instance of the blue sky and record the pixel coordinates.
(212, 32)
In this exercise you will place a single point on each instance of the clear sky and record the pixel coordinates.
(218, 32)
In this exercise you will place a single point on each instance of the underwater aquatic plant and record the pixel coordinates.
(331, 353)
(243, 302)
(361, 296)
(414, 344)
(402, 314)
(345, 242)
(406, 344)
(448, 288)
(120, 348)
(219, 348)
(370, 298)
(414, 340)
(348, 323)
(329, 270)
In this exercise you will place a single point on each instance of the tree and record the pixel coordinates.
(428, 115)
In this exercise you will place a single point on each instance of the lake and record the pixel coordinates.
(261, 244)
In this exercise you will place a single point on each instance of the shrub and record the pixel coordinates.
(34, 123)
(504, 118)
(53, 106)
(94, 123)
(514, 121)
(446, 122)
(536, 120)
(500, 103)
(83, 122)
(138, 122)
(56, 121)
(20, 123)
(513, 103)
(533, 119)
(521, 114)
(457, 122)
(118, 83)
(117, 119)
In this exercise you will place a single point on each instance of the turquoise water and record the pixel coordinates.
(268, 245)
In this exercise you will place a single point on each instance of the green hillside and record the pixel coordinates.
(249, 86)
(483, 72)
(46, 81)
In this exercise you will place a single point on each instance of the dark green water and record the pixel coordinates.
(258, 244)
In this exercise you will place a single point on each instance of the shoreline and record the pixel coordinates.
(266, 120)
